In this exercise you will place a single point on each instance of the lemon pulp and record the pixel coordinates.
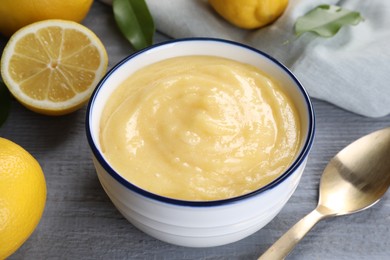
(53, 66)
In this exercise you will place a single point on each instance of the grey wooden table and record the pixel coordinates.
(80, 222)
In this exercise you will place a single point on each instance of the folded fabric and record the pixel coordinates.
(350, 70)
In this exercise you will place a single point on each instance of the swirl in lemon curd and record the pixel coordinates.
(199, 128)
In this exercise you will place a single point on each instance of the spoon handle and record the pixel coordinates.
(285, 244)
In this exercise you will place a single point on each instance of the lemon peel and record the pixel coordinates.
(22, 196)
(249, 14)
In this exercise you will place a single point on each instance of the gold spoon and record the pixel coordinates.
(354, 180)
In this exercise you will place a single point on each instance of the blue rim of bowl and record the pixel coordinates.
(297, 163)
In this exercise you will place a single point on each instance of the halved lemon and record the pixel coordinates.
(53, 66)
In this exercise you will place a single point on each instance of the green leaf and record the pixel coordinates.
(326, 20)
(5, 102)
(135, 22)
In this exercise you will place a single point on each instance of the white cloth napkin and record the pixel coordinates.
(350, 70)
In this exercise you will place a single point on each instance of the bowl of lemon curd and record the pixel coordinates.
(199, 142)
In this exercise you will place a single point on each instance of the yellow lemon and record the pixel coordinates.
(15, 14)
(52, 66)
(249, 14)
(22, 196)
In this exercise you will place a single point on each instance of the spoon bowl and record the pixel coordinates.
(358, 176)
(354, 180)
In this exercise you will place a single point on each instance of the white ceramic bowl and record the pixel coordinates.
(191, 223)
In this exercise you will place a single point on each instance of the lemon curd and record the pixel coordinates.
(199, 128)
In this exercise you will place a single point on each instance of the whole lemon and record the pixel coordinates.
(249, 14)
(22, 196)
(14, 14)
